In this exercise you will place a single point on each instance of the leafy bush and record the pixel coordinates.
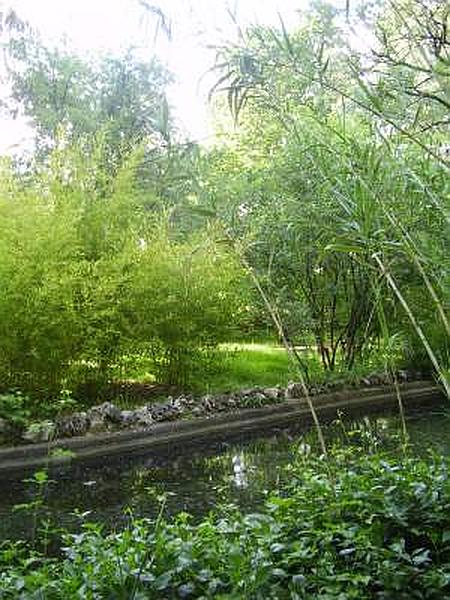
(360, 527)
(183, 299)
(13, 408)
(88, 273)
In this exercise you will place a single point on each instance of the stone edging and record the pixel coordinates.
(328, 406)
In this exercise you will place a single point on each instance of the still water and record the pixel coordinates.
(195, 478)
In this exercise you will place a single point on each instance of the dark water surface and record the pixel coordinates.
(196, 478)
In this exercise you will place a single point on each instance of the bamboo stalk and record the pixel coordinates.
(418, 329)
(290, 350)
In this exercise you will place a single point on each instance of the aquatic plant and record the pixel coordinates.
(380, 530)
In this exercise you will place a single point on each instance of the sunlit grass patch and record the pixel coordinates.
(252, 364)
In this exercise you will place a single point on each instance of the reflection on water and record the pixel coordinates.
(239, 470)
(197, 478)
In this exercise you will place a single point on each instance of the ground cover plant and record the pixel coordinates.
(267, 364)
(249, 364)
(360, 526)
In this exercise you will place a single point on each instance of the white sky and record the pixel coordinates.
(111, 25)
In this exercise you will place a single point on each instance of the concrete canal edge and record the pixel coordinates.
(419, 394)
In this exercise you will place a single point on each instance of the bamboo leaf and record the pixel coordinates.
(218, 83)
(287, 39)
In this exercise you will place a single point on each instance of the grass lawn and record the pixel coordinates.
(255, 364)
(265, 364)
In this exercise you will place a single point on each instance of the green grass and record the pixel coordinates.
(240, 365)
(265, 364)
(247, 365)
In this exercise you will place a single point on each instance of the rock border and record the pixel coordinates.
(107, 417)
(220, 426)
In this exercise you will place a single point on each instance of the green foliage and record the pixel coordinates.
(123, 97)
(329, 197)
(47, 283)
(88, 274)
(414, 60)
(376, 527)
(13, 408)
(182, 300)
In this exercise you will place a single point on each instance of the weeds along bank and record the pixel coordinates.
(19, 426)
(357, 526)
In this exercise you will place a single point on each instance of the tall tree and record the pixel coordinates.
(356, 181)
(122, 97)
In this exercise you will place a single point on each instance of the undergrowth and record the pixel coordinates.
(360, 526)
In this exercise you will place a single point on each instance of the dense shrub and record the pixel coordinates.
(88, 274)
(40, 271)
(184, 297)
